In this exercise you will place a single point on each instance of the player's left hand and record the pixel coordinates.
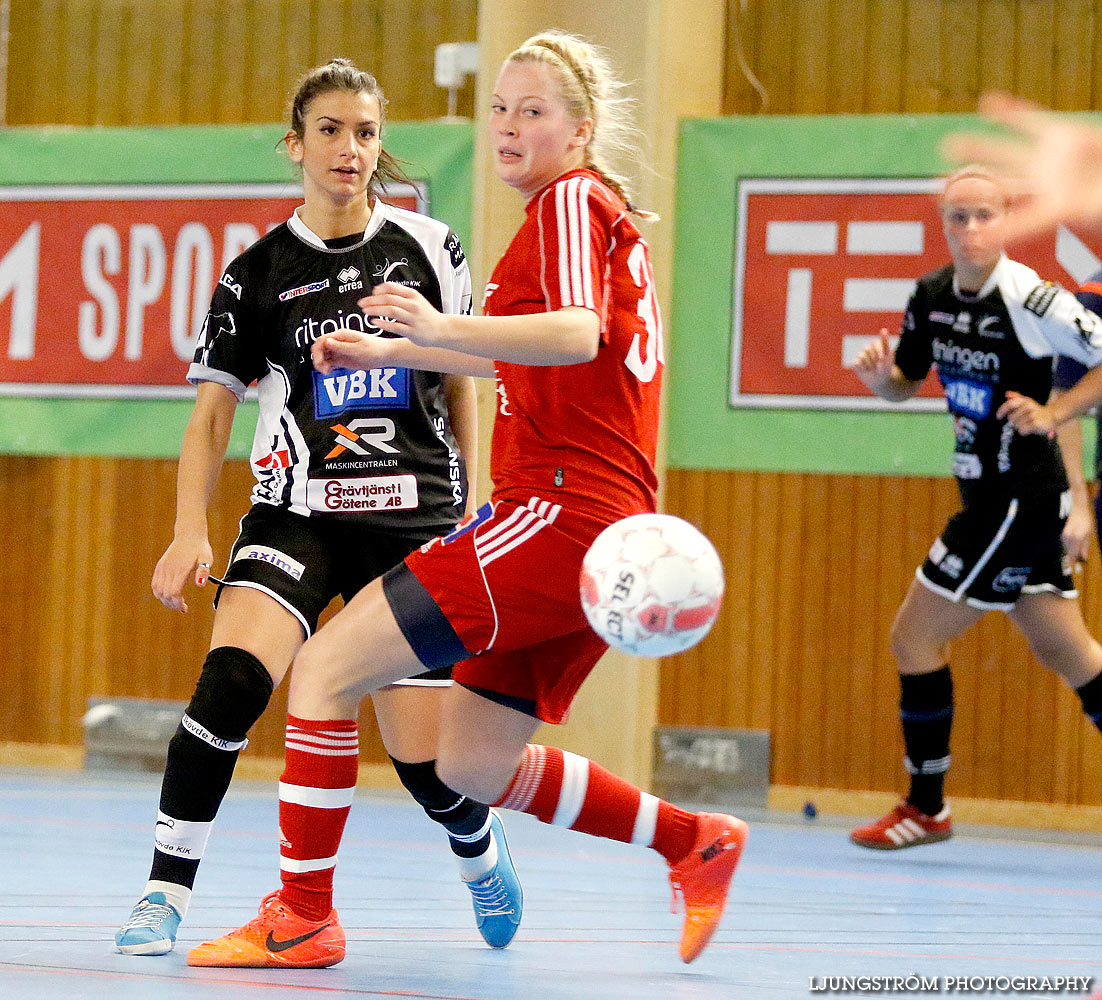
(1077, 533)
(405, 311)
(1027, 415)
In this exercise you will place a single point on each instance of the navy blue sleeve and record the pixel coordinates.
(1066, 371)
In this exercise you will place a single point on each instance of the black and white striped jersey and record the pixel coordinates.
(374, 444)
(999, 339)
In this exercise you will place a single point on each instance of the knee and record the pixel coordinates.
(465, 775)
(232, 692)
(904, 649)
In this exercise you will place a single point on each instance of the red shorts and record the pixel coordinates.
(507, 582)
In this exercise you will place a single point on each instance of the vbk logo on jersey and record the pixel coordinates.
(360, 389)
(347, 279)
(969, 398)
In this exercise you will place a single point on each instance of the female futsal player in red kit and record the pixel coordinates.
(571, 332)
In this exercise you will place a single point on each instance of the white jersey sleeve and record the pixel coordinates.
(445, 254)
(1049, 319)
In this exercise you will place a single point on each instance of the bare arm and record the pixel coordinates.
(566, 336)
(463, 416)
(201, 457)
(1080, 523)
(876, 367)
(347, 348)
(1030, 417)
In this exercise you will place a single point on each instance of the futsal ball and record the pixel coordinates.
(651, 585)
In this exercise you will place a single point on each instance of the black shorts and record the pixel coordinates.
(989, 555)
(304, 562)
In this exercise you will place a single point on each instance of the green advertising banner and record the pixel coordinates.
(797, 240)
(110, 242)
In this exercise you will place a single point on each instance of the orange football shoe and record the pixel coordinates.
(703, 877)
(277, 938)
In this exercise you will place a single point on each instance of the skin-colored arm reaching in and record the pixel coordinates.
(1056, 160)
(201, 456)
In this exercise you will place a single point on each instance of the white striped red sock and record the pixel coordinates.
(315, 795)
(563, 789)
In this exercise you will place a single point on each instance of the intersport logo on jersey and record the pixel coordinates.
(821, 265)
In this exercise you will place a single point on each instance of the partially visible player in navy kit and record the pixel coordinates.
(354, 469)
(572, 334)
(1066, 374)
(991, 327)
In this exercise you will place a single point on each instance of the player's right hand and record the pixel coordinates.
(182, 558)
(874, 364)
(348, 348)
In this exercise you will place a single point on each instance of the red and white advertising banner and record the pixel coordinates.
(823, 264)
(103, 290)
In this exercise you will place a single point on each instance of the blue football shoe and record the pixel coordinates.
(497, 897)
(151, 927)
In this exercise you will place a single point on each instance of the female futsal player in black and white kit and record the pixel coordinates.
(354, 470)
(991, 327)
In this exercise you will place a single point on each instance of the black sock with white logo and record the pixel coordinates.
(926, 710)
(466, 821)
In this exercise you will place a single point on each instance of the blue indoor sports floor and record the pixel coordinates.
(806, 907)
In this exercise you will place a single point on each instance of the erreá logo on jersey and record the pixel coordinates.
(360, 389)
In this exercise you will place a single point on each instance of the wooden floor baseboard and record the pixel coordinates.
(785, 798)
(991, 812)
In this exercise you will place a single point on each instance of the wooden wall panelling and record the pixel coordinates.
(811, 43)
(846, 56)
(922, 54)
(883, 58)
(112, 62)
(775, 63)
(960, 64)
(1034, 49)
(771, 571)
(1073, 41)
(997, 42)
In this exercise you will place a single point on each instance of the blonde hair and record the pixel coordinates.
(590, 89)
(342, 74)
(974, 171)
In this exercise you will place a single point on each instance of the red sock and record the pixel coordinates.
(564, 789)
(315, 795)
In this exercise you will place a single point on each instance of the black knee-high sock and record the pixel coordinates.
(926, 709)
(1090, 694)
(232, 693)
(465, 820)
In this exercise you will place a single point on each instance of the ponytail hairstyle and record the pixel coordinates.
(591, 89)
(341, 74)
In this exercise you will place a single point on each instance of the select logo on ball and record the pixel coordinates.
(651, 585)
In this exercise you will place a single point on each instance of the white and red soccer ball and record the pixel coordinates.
(651, 585)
